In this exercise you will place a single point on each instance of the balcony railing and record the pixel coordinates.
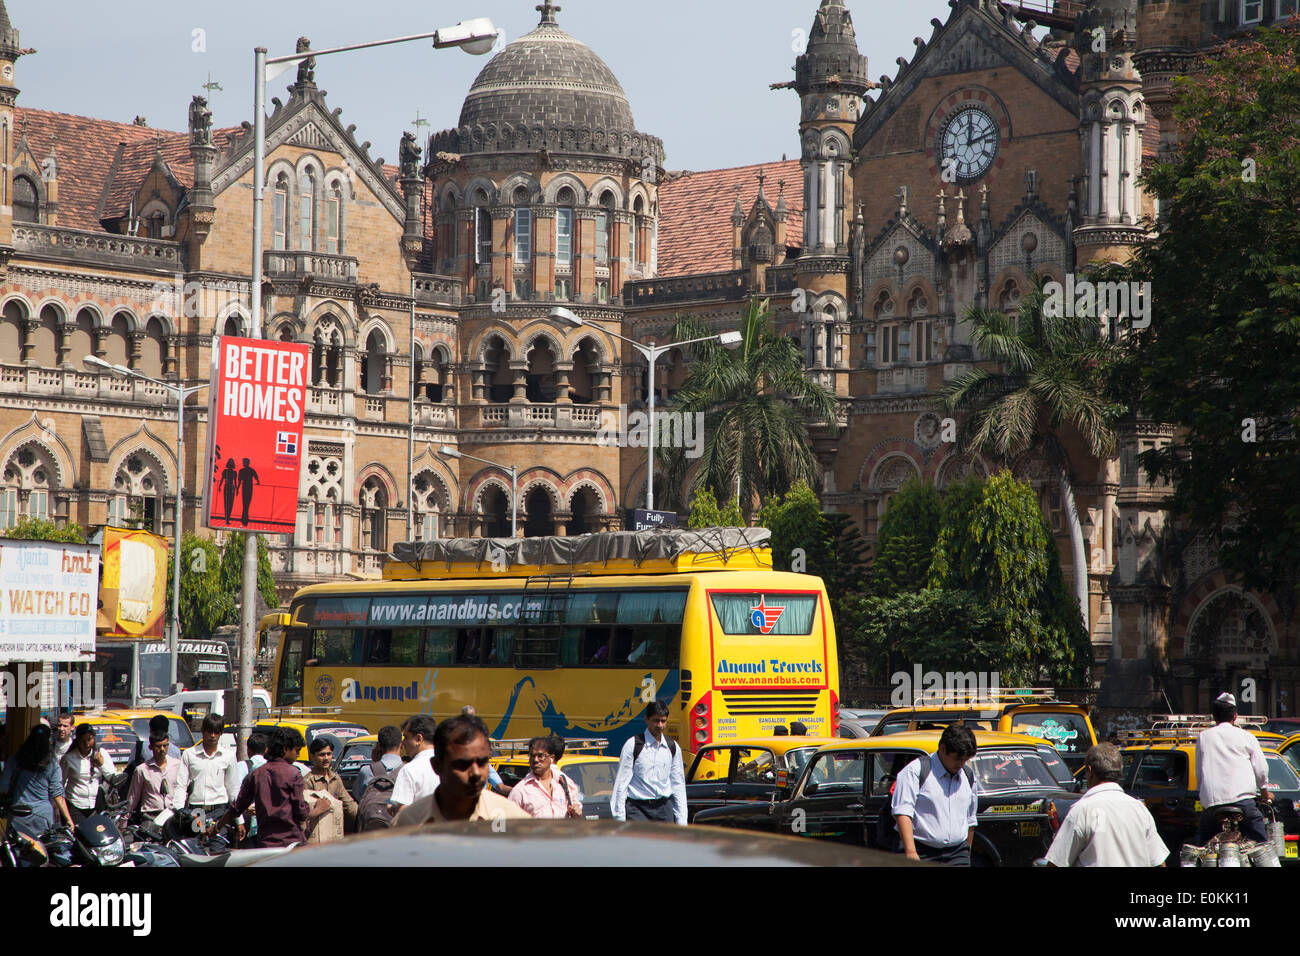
(539, 416)
(29, 380)
(99, 248)
(298, 263)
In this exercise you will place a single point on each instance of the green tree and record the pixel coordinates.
(204, 604)
(994, 542)
(1220, 359)
(809, 540)
(906, 539)
(1045, 376)
(706, 513)
(936, 628)
(232, 570)
(756, 404)
(39, 529)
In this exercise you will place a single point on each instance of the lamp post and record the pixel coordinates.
(180, 393)
(514, 482)
(651, 353)
(475, 36)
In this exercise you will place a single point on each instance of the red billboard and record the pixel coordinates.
(256, 406)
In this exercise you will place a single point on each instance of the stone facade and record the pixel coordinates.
(437, 276)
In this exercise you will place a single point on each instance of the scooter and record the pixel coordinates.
(18, 848)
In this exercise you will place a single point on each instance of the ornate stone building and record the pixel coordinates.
(990, 155)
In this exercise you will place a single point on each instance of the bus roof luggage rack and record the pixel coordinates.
(663, 551)
(1000, 695)
(1203, 721)
(519, 747)
(295, 710)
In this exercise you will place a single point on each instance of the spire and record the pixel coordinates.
(782, 210)
(9, 48)
(831, 59)
(548, 11)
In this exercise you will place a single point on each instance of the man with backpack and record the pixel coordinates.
(389, 759)
(935, 801)
(375, 782)
(651, 781)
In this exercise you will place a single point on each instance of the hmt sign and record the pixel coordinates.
(256, 406)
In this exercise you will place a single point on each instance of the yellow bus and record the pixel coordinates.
(572, 636)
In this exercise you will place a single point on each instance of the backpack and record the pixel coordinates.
(374, 812)
(639, 744)
(887, 837)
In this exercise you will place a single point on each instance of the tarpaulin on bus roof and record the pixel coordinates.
(636, 546)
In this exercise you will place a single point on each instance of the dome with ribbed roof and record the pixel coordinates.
(548, 89)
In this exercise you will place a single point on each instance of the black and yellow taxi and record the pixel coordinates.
(845, 786)
(311, 726)
(177, 728)
(1034, 712)
(1160, 770)
(352, 756)
(115, 736)
(584, 762)
(742, 771)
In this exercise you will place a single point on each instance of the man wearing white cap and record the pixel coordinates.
(1231, 770)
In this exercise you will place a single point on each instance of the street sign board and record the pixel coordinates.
(256, 406)
(639, 519)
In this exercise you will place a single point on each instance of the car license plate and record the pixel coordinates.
(1030, 830)
(1292, 851)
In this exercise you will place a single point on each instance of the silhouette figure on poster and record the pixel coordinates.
(247, 478)
(227, 485)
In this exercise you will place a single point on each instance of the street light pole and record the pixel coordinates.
(180, 393)
(651, 353)
(474, 36)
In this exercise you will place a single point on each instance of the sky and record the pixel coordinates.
(696, 72)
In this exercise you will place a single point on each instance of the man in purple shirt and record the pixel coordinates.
(275, 789)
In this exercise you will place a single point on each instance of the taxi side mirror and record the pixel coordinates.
(810, 789)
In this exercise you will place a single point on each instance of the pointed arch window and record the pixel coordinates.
(279, 213)
(27, 204)
(307, 211)
(334, 221)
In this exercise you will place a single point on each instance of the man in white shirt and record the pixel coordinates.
(1107, 827)
(209, 778)
(936, 812)
(62, 736)
(1230, 770)
(417, 778)
(651, 782)
(85, 766)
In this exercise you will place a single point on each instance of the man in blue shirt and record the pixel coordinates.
(651, 782)
(936, 817)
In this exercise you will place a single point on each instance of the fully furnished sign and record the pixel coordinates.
(49, 596)
(256, 407)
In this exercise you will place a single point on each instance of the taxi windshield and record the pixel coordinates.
(593, 779)
(1281, 775)
(1011, 770)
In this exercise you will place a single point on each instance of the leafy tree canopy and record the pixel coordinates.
(39, 529)
(1220, 359)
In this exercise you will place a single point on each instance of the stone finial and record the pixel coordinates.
(409, 153)
(1031, 184)
(903, 193)
(307, 68)
(548, 11)
(200, 122)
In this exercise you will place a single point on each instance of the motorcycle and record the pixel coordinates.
(95, 841)
(17, 847)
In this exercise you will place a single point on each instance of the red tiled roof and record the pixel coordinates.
(103, 161)
(695, 214)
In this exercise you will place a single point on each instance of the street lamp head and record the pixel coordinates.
(448, 452)
(476, 36)
(564, 315)
(730, 339)
(95, 362)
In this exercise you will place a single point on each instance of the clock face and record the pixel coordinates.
(968, 144)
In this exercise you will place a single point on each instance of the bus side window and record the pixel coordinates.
(379, 647)
(501, 644)
(441, 646)
(571, 647)
(595, 646)
(333, 646)
(469, 646)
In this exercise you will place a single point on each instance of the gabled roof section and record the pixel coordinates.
(979, 34)
(695, 231)
(307, 121)
(102, 163)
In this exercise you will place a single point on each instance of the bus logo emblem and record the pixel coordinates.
(764, 617)
(325, 688)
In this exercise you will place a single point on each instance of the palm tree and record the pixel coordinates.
(756, 404)
(1047, 375)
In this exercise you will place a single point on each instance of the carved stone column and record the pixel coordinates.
(562, 370)
(520, 385)
(65, 342)
(604, 383)
(28, 346)
(137, 340)
(479, 385)
(562, 519)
